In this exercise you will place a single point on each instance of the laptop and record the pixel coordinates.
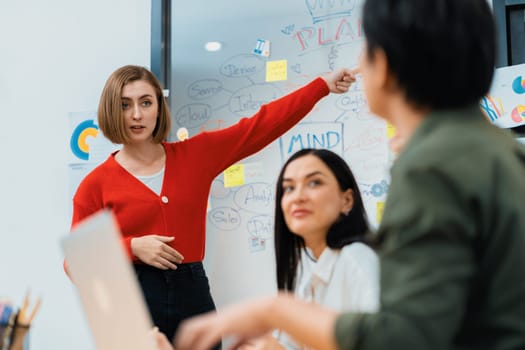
(109, 292)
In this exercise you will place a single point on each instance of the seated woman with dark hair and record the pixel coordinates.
(320, 227)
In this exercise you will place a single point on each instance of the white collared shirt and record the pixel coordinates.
(342, 280)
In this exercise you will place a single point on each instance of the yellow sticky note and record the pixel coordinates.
(234, 176)
(380, 207)
(390, 130)
(276, 70)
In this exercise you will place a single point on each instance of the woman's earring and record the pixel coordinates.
(345, 213)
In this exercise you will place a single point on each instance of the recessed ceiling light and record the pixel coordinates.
(213, 46)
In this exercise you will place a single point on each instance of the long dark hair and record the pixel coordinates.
(348, 229)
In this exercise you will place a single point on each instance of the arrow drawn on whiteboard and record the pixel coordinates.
(288, 29)
(343, 115)
(296, 68)
(332, 56)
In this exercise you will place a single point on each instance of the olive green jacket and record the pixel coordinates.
(453, 243)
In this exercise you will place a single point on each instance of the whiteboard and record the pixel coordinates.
(212, 90)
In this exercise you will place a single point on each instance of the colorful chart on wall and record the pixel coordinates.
(504, 106)
(87, 147)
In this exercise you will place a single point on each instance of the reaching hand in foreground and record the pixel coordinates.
(309, 324)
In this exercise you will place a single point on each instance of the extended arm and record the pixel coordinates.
(224, 147)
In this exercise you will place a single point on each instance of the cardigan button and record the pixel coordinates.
(164, 199)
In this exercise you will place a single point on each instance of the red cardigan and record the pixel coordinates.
(191, 166)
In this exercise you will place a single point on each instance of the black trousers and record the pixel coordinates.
(175, 295)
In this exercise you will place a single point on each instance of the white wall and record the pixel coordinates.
(54, 58)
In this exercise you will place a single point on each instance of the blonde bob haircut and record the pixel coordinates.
(110, 115)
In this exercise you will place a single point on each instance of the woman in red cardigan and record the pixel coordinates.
(158, 190)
